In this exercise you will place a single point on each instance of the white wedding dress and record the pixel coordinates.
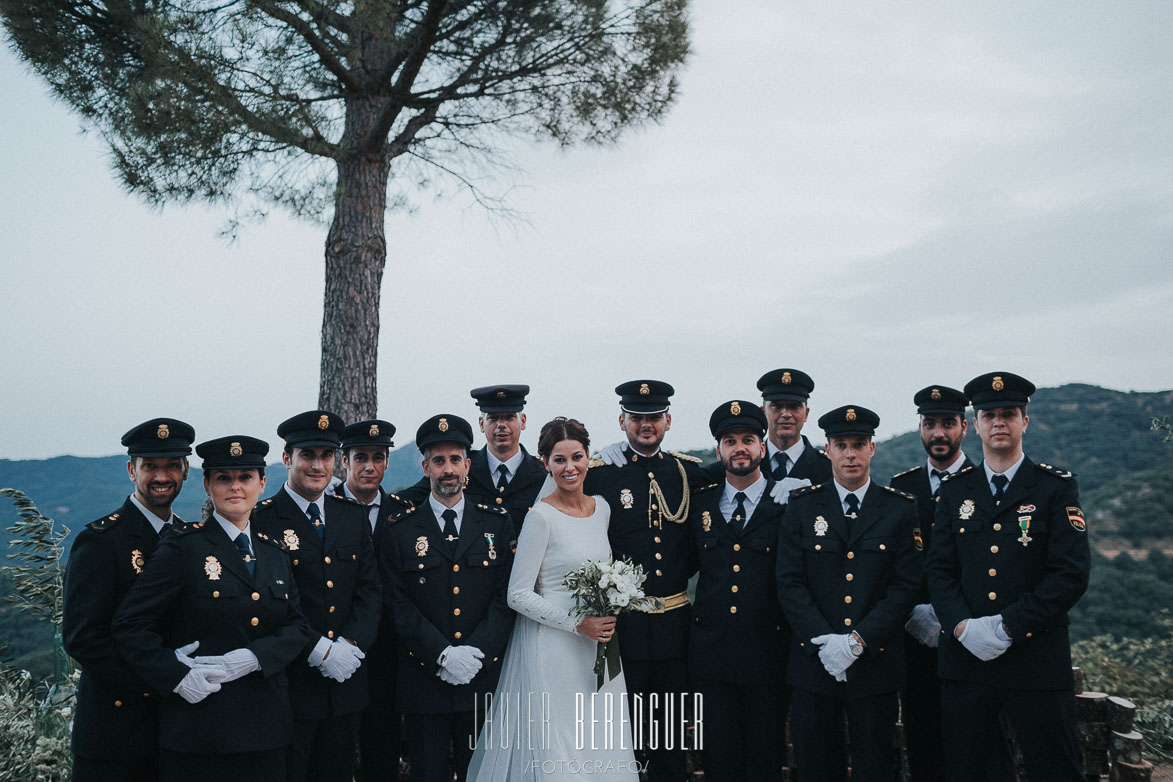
(541, 724)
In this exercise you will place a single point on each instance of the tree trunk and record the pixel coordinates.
(356, 252)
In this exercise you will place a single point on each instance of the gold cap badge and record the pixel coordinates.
(234, 449)
(644, 390)
(998, 384)
(936, 393)
(735, 408)
(500, 394)
(443, 425)
(162, 432)
(324, 422)
(374, 430)
(786, 378)
(850, 414)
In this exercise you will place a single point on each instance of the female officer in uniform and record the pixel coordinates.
(230, 588)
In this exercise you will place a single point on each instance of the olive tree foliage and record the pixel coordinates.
(340, 110)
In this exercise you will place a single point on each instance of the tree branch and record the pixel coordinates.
(319, 47)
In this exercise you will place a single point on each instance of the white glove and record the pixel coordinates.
(447, 677)
(463, 662)
(197, 685)
(835, 654)
(782, 489)
(984, 637)
(922, 625)
(230, 667)
(183, 653)
(343, 659)
(613, 455)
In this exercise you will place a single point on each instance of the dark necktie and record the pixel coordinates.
(852, 506)
(502, 477)
(316, 519)
(450, 535)
(245, 554)
(940, 476)
(780, 460)
(738, 520)
(1000, 482)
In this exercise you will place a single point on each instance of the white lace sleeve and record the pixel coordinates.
(527, 562)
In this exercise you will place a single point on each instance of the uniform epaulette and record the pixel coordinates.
(899, 493)
(801, 490)
(1056, 471)
(104, 523)
(344, 498)
(702, 489)
(266, 502)
(596, 462)
(272, 541)
(410, 509)
(908, 472)
(962, 471)
(686, 457)
(186, 527)
(400, 500)
(494, 508)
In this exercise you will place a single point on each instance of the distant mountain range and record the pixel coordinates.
(1104, 436)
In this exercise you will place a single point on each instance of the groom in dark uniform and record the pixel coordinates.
(649, 496)
(740, 637)
(115, 727)
(445, 570)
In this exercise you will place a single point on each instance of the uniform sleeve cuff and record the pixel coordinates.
(319, 652)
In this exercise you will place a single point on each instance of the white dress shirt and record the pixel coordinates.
(304, 504)
(156, 522)
(753, 495)
(511, 465)
(438, 508)
(934, 481)
(1009, 473)
(859, 493)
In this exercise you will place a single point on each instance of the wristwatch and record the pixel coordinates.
(854, 645)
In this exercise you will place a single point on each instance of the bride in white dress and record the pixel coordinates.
(546, 720)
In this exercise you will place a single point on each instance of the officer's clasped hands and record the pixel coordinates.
(343, 659)
(984, 637)
(835, 654)
(459, 664)
(229, 667)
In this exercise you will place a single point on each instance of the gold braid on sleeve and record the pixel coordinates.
(656, 494)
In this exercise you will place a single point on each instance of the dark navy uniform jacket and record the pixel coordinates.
(837, 575)
(115, 715)
(517, 497)
(812, 464)
(916, 483)
(437, 599)
(639, 530)
(979, 566)
(196, 588)
(338, 584)
(739, 633)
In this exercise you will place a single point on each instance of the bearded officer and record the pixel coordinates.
(445, 568)
(366, 449)
(649, 495)
(1009, 559)
(114, 729)
(848, 572)
(740, 637)
(329, 541)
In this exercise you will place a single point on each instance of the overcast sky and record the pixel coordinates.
(885, 196)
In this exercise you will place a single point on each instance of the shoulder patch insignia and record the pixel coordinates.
(685, 457)
(805, 490)
(908, 472)
(1075, 516)
(898, 493)
(1056, 471)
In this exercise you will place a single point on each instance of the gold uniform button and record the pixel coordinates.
(295, 561)
(457, 635)
(331, 609)
(256, 595)
(993, 595)
(733, 588)
(993, 549)
(327, 560)
(330, 634)
(456, 612)
(851, 555)
(118, 704)
(216, 593)
(737, 568)
(847, 622)
(456, 590)
(455, 568)
(146, 695)
(961, 531)
(499, 500)
(659, 555)
(651, 475)
(329, 585)
(733, 609)
(484, 563)
(659, 572)
(997, 527)
(850, 576)
(883, 547)
(818, 547)
(993, 572)
(737, 547)
(254, 621)
(657, 538)
(847, 599)
(495, 659)
(421, 566)
(1028, 635)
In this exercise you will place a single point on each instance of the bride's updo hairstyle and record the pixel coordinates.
(562, 428)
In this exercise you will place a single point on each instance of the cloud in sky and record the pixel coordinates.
(886, 196)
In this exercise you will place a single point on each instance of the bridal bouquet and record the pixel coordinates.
(609, 589)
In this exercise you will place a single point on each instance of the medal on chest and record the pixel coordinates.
(821, 526)
(291, 540)
(966, 510)
(213, 568)
(492, 550)
(421, 546)
(706, 521)
(626, 498)
(137, 561)
(1024, 525)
